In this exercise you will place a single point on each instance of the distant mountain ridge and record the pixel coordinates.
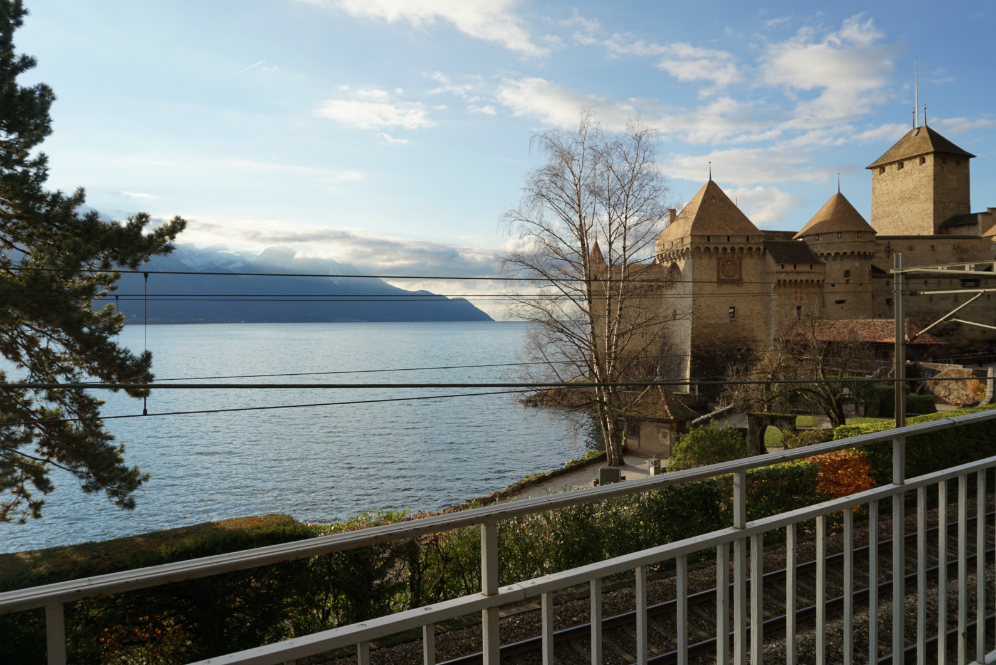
(230, 298)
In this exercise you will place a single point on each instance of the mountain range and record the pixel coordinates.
(215, 292)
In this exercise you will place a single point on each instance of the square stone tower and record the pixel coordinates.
(920, 183)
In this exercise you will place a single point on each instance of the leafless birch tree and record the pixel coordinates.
(585, 230)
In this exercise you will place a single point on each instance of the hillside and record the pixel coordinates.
(230, 298)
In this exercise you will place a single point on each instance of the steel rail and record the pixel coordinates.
(61, 592)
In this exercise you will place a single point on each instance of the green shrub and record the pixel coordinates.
(782, 487)
(929, 452)
(920, 404)
(707, 445)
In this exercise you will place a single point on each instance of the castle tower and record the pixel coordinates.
(918, 184)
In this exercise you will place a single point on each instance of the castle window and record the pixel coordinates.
(795, 266)
(674, 315)
(732, 312)
(839, 235)
(859, 234)
(970, 283)
(798, 311)
(783, 266)
(708, 238)
(881, 170)
(727, 238)
(888, 302)
(817, 237)
(899, 166)
(839, 302)
(923, 160)
(847, 273)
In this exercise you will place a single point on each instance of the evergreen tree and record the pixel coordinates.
(56, 259)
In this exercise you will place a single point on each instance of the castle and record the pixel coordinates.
(728, 287)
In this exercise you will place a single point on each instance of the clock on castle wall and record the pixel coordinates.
(729, 269)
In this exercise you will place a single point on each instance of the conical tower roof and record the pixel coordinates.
(919, 141)
(710, 212)
(596, 258)
(837, 214)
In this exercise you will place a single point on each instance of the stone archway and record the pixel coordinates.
(758, 423)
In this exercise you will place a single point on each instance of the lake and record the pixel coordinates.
(321, 463)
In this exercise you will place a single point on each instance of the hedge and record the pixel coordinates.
(880, 402)
(929, 452)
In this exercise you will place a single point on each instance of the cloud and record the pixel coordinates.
(848, 67)
(387, 138)
(962, 125)
(137, 196)
(777, 21)
(468, 90)
(682, 60)
(722, 119)
(487, 110)
(750, 166)
(375, 115)
(372, 95)
(250, 67)
(491, 20)
(765, 205)
(890, 131)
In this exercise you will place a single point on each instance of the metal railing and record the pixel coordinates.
(747, 606)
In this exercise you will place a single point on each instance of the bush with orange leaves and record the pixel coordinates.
(843, 473)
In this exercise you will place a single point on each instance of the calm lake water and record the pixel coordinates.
(320, 463)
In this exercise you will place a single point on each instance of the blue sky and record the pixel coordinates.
(393, 133)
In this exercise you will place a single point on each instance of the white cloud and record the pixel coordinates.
(487, 110)
(375, 115)
(137, 196)
(691, 63)
(890, 131)
(468, 90)
(764, 205)
(490, 20)
(962, 125)
(722, 119)
(848, 67)
(372, 95)
(750, 166)
(387, 138)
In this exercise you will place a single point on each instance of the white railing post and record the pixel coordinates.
(756, 599)
(790, 591)
(821, 590)
(962, 568)
(942, 578)
(546, 610)
(722, 604)
(55, 634)
(642, 636)
(596, 622)
(682, 602)
(740, 570)
(921, 576)
(429, 644)
(489, 587)
(873, 582)
(980, 563)
(363, 653)
(848, 586)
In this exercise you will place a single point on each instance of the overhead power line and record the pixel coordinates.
(423, 386)
(256, 408)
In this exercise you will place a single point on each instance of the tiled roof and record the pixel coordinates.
(868, 331)
(710, 212)
(919, 141)
(837, 214)
(790, 251)
(777, 235)
(658, 403)
(991, 233)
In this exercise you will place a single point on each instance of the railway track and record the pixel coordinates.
(618, 632)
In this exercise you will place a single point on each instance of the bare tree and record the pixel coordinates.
(804, 356)
(585, 231)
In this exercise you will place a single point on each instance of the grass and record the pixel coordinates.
(807, 421)
(773, 437)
